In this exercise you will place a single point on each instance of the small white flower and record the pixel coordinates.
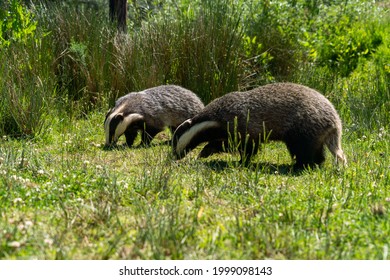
(48, 241)
(14, 244)
(18, 200)
(28, 224)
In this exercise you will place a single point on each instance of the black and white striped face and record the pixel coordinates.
(187, 136)
(116, 124)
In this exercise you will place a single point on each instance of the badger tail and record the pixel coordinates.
(333, 142)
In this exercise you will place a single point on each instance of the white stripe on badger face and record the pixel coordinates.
(108, 121)
(122, 126)
(186, 138)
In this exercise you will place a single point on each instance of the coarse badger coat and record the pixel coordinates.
(297, 115)
(150, 111)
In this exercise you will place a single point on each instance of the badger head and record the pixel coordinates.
(116, 123)
(188, 135)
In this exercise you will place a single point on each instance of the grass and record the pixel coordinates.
(67, 198)
(63, 196)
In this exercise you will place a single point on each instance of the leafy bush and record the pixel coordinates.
(17, 24)
(344, 34)
(276, 25)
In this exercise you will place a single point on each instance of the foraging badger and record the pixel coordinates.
(297, 115)
(150, 111)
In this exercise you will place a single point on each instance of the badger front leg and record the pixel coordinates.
(213, 147)
(130, 135)
(148, 134)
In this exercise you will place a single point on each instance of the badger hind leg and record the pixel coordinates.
(307, 153)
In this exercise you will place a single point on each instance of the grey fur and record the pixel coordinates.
(297, 115)
(150, 111)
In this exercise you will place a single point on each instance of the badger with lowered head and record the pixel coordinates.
(150, 111)
(297, 115)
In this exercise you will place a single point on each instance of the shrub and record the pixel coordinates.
(17, 24)
(344, 34)
(25, 78)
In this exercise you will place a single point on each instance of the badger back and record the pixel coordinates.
(277, 107)
(170, 104)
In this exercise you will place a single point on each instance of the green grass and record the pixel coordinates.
(65, 197)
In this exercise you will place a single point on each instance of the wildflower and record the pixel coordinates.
(14, 244)
(48, 241)
(97, 145)
(18, 200)
(28, 224)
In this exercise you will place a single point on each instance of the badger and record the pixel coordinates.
(149, 111)
(297, 115)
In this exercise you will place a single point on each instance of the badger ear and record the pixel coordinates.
(186, 124)
(118, 117)
(183, 127)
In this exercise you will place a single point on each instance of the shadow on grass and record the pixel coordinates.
(263, 167)
(124, 146)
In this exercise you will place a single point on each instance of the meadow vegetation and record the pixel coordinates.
(62, 196)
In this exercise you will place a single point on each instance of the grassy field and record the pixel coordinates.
(62, 196)
(67, 198)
